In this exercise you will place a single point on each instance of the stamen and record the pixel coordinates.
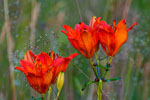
(131, 26)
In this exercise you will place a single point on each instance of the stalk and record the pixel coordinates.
(43, 97)
(57, 95)
(49, 92)
(105, 73)
(110, 60)
(100, 84)
(93, 69)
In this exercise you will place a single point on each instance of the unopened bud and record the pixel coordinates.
(60, 81)
(104, 80)
(95, 64)
(96, 80)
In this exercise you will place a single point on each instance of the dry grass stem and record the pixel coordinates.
(10, 47)
(35, 13)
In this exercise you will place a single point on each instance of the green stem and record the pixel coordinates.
(49, 92)
(105, 73)
(43, 95)
(93, 69)
(110, 60)
(98, 63)
(97, 59)
(57, 95)
(100, 84)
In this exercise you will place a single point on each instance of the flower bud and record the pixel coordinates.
(60, 81)
(95, 64)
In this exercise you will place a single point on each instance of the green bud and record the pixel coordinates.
(60, 81)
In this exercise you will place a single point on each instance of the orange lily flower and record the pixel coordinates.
(112, 37)
(42, 70)
(83, 38)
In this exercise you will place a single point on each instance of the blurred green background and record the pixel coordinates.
(36, 25)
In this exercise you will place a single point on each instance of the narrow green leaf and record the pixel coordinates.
(113, 79)
(86, 84)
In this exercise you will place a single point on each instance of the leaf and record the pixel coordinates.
(113, 79)
(86, 84)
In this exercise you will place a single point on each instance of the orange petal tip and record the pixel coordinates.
(124, 21)
(73, 55)
(130, 28)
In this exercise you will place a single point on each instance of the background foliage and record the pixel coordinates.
(37, 24)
